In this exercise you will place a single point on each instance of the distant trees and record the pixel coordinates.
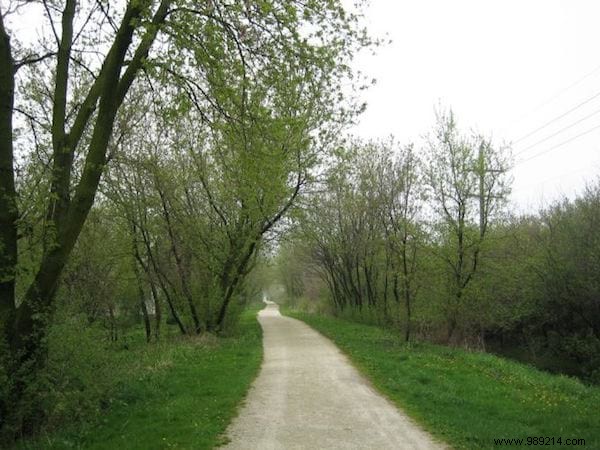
(422, 241)
(363, 230)
(390, 226)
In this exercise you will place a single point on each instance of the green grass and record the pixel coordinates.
(182, 395)
(467, 399)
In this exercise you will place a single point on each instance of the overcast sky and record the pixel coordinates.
(506, 68)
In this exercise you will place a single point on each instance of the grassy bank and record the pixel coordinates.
(464, 398)
(178, 394)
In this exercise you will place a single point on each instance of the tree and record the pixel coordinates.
(400, 189)
(468, 183)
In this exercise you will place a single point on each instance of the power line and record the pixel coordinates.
(558, 145)
(562, 91)
(557, 132)
(558, 117)
(558, 94)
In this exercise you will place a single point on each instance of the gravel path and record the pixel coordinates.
(308, 396)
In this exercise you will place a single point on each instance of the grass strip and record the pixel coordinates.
(182, 394)
(464, 398)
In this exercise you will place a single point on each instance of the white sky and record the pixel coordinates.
(496, 64)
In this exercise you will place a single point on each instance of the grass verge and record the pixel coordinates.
(180, 394)
(468, 399)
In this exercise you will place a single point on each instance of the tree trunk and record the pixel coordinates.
(62, 152)
(229, 285)
(145, 316)
(142, 300)
(179, 263)
(157, 309)
(407, 287)
(8, 204)
(31, 318)
(137, 259)
(161, 284)
(145, 265)
(407, 301)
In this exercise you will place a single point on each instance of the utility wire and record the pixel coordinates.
(562, 91)
(557, 145)
(558, 94)
(557, 132)
(551, 121)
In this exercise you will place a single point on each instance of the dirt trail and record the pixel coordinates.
(308, 396)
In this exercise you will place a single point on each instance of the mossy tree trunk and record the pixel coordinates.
(8, 204)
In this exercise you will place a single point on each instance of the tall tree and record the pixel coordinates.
(468, 183)
(402, 191)
(68, 205)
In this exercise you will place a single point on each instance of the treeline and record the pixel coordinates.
(146, 151)
(424, 241)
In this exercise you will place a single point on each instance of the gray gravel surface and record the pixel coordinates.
(308, 396)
